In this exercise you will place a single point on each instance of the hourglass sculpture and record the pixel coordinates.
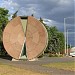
(25, 37)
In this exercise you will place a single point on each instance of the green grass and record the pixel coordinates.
(62, 65)
(6, 69)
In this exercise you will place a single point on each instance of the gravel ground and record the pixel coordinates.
(36, 65)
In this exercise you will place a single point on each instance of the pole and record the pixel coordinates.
(65, 31)
(65, 34)
(70, 46)
(67, 43)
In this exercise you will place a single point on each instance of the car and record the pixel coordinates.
(72, 52)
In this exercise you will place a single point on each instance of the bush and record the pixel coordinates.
(40, 56)
(2, 50)
(55, 55)
(51, 55)
(61, 55)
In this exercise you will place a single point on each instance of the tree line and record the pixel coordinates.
(56, 39)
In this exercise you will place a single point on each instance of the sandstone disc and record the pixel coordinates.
(25, 37)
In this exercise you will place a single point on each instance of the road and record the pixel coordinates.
(36, 65)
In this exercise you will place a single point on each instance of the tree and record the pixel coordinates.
(15, 14)
(60, 35)
(55, 40)
(3, 20)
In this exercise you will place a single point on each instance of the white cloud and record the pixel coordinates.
(26, 11)
(10, 5)
(48, 21)
(65, 2)
(53, 23)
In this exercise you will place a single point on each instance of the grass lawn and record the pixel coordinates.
(62, 65)
(10, 70)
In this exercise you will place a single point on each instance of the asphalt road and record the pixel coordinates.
(36, 65)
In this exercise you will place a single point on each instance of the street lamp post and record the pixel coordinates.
(65, 32)
(67, 41)
(67, 44)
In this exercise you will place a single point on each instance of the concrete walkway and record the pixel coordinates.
(36, 65)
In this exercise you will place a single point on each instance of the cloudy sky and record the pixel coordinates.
(53, 11)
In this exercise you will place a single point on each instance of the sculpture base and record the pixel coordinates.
(14, 59)
(34, 59)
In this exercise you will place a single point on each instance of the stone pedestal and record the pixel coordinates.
(14, 59)
(34, 59)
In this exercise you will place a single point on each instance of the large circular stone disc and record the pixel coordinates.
(36, 38)
(13, 37)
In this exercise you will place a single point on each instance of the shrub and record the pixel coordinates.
(55, 55)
